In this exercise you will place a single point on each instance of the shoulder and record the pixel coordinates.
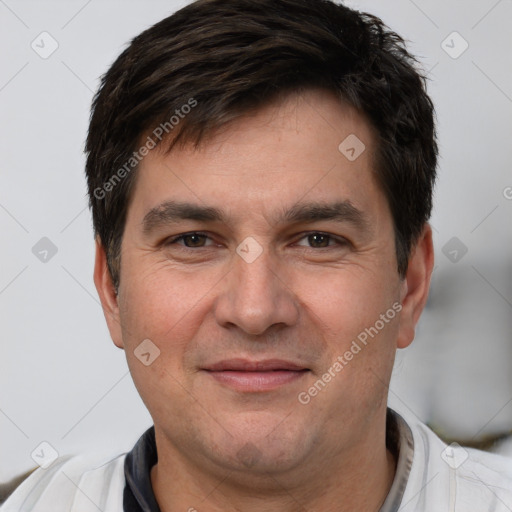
(72, 484)
(451, 477)
(484, 479)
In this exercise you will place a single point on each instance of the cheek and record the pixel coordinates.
(344, 302)
(347, 311)
(166, 307)
(164, 304)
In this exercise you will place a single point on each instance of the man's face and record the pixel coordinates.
(289, 255)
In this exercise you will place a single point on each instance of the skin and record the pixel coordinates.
(303, 299)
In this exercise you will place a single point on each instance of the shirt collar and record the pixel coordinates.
(399, 441)
(138, 493)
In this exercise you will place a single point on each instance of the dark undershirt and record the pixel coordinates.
(138, 493)
(139, 497)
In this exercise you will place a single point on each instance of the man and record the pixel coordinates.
(260, 175)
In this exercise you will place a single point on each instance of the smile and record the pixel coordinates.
(256, 376)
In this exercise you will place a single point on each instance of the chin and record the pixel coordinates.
(266, 448)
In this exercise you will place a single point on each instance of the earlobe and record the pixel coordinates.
(415, 287)
(107, 293)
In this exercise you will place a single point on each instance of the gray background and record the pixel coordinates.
(62, 379)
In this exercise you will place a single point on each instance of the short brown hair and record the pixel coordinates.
(226, 57)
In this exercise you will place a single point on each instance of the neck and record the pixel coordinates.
(355, 479)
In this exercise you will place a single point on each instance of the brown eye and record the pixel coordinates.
(194, 240)
(190, 240)
(319, 240)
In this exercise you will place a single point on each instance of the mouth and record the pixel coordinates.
(256, 376)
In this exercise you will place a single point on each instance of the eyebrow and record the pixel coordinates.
(170, 212)
(340, 211)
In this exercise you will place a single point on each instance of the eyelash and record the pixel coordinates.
(174, 240)
(338, 240)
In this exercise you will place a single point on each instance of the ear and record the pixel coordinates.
(415, 286)
(107, 293)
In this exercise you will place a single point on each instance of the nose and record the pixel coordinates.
(256, 296)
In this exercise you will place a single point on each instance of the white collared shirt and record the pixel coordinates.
(430, 477)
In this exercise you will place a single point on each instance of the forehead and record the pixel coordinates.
(310, 147)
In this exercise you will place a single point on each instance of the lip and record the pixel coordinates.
(255, 376)
(244, 365)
